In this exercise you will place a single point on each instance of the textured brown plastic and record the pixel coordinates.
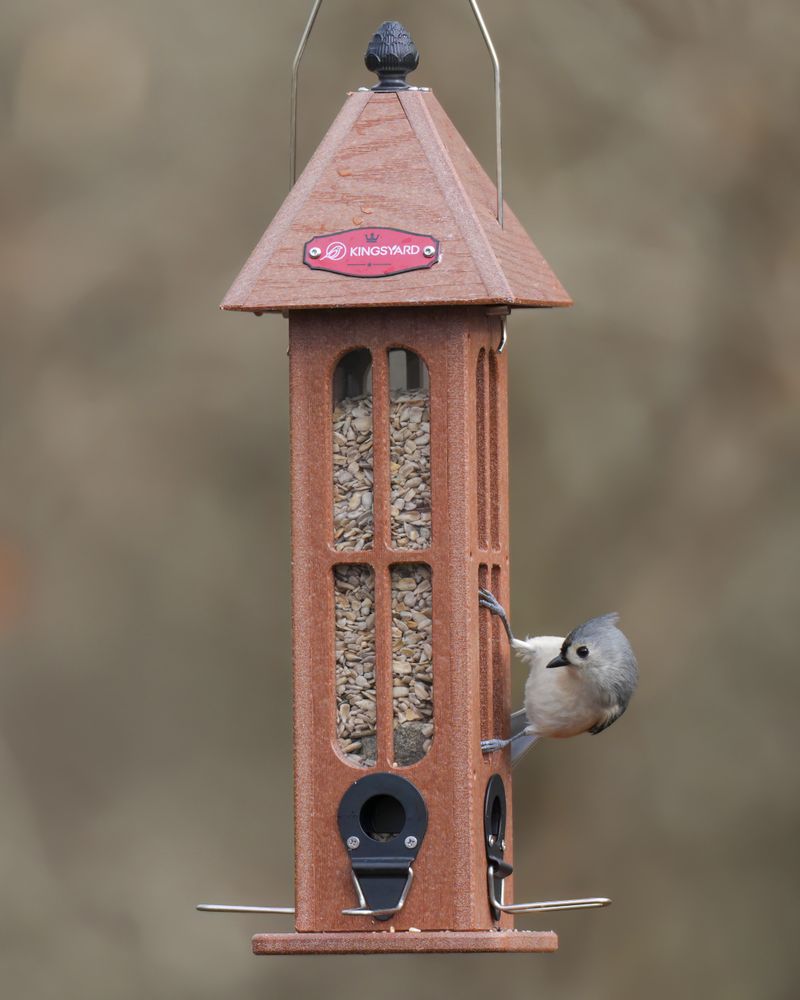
(449, 891)
(396, 160)
(409, 941)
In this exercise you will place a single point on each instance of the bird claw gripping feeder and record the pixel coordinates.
(397, 262)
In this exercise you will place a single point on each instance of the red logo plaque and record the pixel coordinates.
(371, 252)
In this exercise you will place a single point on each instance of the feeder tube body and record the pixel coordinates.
(468, 547)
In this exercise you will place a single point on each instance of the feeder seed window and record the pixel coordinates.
(409, 440)
(354, 603)
(410, 450)
(412, 661)
(353, 526)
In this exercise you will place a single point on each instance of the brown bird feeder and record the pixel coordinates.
(396, 264)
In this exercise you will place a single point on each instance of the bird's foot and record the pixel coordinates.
(489, 746)
(486, 599)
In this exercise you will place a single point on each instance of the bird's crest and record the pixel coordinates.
(612, 618)
(594, 626)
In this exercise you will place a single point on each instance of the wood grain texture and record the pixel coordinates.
(382, 942)
(449, 891)
(396, 160)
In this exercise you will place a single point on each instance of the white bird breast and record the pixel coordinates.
(558, 702)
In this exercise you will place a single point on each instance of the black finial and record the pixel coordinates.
(392, 55)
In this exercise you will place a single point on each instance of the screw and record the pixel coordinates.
(315, 252)
(502, 845)
(429, 251)
(353, 843)
(491, 839)
(410, 842)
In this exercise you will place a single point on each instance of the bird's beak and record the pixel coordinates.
(558, 661)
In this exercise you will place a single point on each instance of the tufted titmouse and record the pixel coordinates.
(578, 684)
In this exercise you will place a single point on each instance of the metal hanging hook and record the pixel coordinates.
(498, 118)
(293, 102)
(497, 101)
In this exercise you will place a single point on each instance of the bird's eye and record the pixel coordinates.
(582, 651)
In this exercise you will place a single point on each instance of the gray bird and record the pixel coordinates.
(578, 684)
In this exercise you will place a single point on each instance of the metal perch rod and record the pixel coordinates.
(222, 908)
(548, 906)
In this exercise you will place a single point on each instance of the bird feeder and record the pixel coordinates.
(396, 264)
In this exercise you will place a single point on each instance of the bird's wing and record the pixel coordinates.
(519, 720)
(521, 746)
(608, 719)
(521, 741)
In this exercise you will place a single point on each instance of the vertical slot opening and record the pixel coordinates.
(353, 527)
(501, 713)
(494, 455)
(409, 450)
(412, 661)
(484, 664)
(354, 610)
(480, 431)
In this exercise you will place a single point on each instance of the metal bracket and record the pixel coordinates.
(498, 124)
(502, 312)
(362, 910)
(503, 335)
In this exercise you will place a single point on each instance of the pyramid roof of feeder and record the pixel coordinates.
(395, 160)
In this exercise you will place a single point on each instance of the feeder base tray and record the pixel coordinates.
(379, 942)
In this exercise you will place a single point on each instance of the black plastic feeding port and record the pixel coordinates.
(494, 829)
(382, 821)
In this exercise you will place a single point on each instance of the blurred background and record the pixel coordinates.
(652, 152)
